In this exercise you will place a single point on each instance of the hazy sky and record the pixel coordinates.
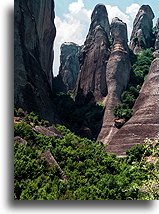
(72, 19)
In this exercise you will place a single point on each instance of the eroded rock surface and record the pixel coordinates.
(145, 120)
(34, 36)
(94, 55)
(49, 158)
(142, 35)
(117, 77)
(47, 131)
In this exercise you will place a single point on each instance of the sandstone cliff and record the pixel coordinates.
(145, 120)
(141, 36)
(69, 66)
(93, 58)
(34, 36)
(117, 77)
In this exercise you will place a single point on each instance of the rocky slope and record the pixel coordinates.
(34, 36)
(117, 77)
(144, 122)
(141, 36)
(93, 58)
(69, 66)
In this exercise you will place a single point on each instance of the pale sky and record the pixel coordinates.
(72, 19)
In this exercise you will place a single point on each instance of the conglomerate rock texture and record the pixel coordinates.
(69, 66)
(93, 58)
(142, 35)
(117, 77)
(145, 120)
(34, 36)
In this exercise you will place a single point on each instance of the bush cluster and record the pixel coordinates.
(91, 173)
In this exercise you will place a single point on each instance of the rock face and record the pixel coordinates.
(34, 36)
(93, 58)
(69, 65)
(145, 120)
(141, 36)
(156, 53)
(117, 77)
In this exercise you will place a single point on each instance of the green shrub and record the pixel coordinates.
(122, 111)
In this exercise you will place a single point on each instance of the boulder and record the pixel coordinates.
(47, 131)
(49, 158)
(20, 140)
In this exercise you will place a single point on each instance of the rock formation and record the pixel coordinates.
(156, 53)
(145, 120)
(93, 58)
(69, 67)
(141, 36)
(34, 36)
(117, 77)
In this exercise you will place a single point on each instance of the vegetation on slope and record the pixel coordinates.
(91, 173)
(78, 117)
(139, 71)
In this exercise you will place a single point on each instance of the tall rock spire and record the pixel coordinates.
(93, 58)
(141, 37)
(117, 77)
(33, 47)
(69, 67)
(100, 17)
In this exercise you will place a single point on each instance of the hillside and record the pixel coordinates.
(91, 132)
(52, 163)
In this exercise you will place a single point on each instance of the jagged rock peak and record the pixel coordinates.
(141, 36)
(91, 84)
(69, 64)
(100, 17)
(119, 31)
(146, 9)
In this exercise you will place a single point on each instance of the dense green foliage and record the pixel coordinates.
(140, 69)
(91, 173)
(76, 116)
